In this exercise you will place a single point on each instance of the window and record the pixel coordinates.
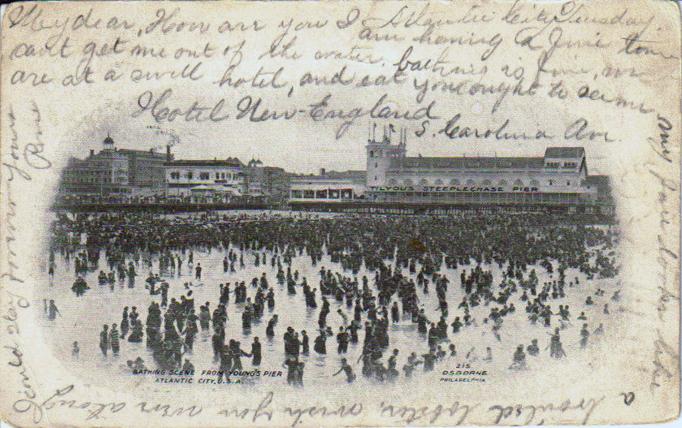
(550, 182)
(371, 153)
(217, 175)
(190, 175)
(568, 183)
(376, 164)
(424, 182)
(439, 182)
(175, 175)
(204, 175)
(454, 182)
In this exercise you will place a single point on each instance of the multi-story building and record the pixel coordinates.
(222, 178)
(114, 171)
(271, 183)
(254, 178)
(146, 168)
(276, 183)
(560, 176)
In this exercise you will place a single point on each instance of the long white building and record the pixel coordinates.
(559, 177)
(329, 186)
(205, 177)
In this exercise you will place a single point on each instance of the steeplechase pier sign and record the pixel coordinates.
(455, 189)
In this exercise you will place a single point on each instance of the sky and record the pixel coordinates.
(302, 148)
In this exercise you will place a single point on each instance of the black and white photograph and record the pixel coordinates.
(304, 214)
(414, 264)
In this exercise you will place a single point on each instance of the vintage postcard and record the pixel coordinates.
(304, 214)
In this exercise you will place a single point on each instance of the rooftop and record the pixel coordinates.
(467, 163)
(564, 152)
(149, 152)
(355, 174)
(234, 162)
(598, 180)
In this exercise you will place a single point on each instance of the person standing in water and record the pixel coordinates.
(198, 271)
(104, 339)
(345, 367)
(519, 360)
(256, 352)
(52, 311)
(114, 339)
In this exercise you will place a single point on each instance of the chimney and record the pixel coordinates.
(169, 157)
(92, 152)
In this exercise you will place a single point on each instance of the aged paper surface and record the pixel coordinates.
(471, 209)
